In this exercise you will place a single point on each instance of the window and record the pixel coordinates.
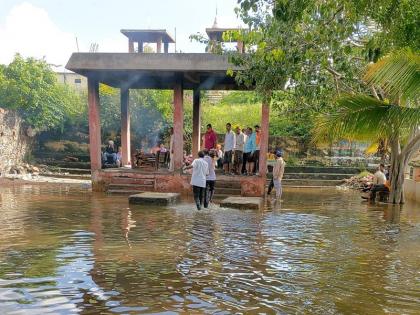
(77, 81)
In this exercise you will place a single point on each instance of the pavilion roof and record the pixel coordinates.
(217, 32)
(156, 71)
(148, 36)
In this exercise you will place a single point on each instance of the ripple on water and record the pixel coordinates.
(319, 252)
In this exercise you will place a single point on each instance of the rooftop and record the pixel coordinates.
(156, 71)
(148, 36)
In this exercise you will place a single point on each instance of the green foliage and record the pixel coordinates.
(30, 87)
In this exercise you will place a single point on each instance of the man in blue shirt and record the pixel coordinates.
(249, 150)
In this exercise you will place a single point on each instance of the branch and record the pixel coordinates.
(335, 73)
(412, 146)
(374, 92)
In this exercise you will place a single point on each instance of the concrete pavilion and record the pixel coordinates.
(174, 71)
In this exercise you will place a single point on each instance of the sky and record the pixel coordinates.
(49, 28)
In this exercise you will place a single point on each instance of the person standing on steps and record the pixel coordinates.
(229, 147)
(239, 151)
(210, 138)
(278, 172)
(200, 170)
(209, 157)
(171, 149)
(257, 149)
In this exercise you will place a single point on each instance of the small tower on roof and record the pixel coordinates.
(141, 36)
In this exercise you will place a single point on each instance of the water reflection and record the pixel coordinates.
(64, 251)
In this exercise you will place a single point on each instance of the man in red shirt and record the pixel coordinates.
(210, 138)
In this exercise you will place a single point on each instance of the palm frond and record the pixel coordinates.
(398, 74)
(361, 117)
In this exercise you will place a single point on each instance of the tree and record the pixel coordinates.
(312, 51)
(392, 113)
(30, 87)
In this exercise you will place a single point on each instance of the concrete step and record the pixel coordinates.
(79, 171)
(322, 169)
(113, 186)
(124, 192)
(329, 176)
(132, 181)
(311, 182)
(69, 176)
(228, 184)
(227, 191)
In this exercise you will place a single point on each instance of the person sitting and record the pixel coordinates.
(162, 148)
(110, 155)
(119, 157)
(379, 184)
(219, 156)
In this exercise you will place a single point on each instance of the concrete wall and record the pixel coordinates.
(74, 80)
(412, 189)
(412, 185)
(14, 143)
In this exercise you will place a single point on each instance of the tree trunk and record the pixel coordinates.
(397, 179)
(396, 172)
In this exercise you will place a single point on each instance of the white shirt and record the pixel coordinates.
(230, 140)
(240, 141)
(210, 163)
(199, 172)
(379, 178)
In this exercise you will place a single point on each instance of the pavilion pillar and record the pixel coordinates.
(178, 154)
(94, 125)
(196, 122)
(265, 124)
(140, 47)
(125, 127)
(166, 47)
(159, 45)
(130, 46)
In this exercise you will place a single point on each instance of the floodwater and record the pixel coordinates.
(65, 250)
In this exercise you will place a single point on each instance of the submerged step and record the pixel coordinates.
(242, 202)
(154, 198)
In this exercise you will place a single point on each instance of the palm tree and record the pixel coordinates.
(392, 113)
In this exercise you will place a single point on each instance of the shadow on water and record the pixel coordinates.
(64, 250)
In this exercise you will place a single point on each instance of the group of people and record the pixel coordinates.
(240, 156)
(241, 149)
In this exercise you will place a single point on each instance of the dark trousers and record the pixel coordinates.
(244, 161)
(208, 195)
(270, 187)
(375, 189)
(199, 193)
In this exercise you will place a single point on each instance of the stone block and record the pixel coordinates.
(154, 198)
(242, 202)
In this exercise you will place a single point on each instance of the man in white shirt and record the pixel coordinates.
(278, 172)
(379, 183)
(198, 178)
(209, 157)
(239, 150)
(229, 147)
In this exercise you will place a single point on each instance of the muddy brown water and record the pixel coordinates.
(64, 250)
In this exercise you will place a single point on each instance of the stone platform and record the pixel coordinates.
(242, 202)
(154, 198)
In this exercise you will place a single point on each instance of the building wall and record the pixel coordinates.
(412, 185)
(14, 142)
(74, 80)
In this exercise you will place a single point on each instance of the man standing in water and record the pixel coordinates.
(198, 178)
(278, 172)
(209, 157)
(171, 149)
